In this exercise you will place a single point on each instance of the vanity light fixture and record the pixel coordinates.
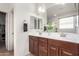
(41, 9)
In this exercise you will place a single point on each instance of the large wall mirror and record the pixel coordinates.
(64, 16)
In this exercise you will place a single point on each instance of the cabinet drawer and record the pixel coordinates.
(69, 46)
(66, 52)
(54, 42)
(43, 40)
(33, 37)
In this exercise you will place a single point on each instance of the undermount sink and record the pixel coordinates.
(40, 33)
(62, 35)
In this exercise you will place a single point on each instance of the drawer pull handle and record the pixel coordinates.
(53, 48)
(67, 53)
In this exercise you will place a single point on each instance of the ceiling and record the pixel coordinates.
(49, 5)
(59, 9)
(5, 7)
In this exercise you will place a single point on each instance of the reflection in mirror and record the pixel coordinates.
(35, 22)
(64, 16)
(32, 22)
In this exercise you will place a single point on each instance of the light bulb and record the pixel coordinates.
(40, 9)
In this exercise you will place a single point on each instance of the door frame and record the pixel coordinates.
(8, 31)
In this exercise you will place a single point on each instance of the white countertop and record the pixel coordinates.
(70, 37)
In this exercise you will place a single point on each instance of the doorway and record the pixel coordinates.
(6, 37)
(2, 30)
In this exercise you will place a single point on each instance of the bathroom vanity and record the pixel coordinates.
(43, 45)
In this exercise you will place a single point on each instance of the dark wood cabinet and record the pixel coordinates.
(33, 45)
(62, 48)
(43, 50)
(40, 46)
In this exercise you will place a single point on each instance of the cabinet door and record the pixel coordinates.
(43, 47)
(31, 45)
(35, 47)
(42, 51)
(52, 51)
(64, 52)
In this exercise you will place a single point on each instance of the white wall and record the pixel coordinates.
(22, 12)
